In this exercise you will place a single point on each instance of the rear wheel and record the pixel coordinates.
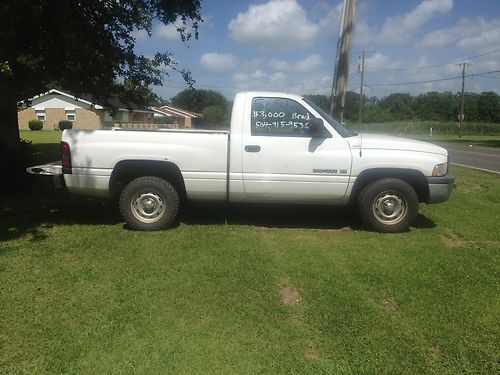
(389, 205)
(149, 203)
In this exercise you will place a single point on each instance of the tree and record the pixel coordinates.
(85, 47)
(322, 101)
(216, 117)
(351, 106)
(212, 104)
(197, 100)
(398, 106)
(489, 106)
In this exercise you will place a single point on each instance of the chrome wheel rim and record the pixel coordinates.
(389, 208)
(148, 207)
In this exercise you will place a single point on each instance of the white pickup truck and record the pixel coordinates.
(281, 148)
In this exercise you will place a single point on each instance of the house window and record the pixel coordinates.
(40, 114)
(70, 115)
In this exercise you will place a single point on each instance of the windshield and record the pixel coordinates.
(344, 133)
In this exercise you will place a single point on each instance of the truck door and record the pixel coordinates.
(282, 162)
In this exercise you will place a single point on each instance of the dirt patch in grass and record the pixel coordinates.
(390, 306)
(451, 242)
(290, 295)
(452, 239)
(470, 186)
(435, 352)
(312, 352)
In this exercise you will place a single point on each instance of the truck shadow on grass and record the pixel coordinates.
(281, 216)
(31, 216)
(24, 216)
(272, 216)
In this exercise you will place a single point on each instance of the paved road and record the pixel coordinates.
(475, 157)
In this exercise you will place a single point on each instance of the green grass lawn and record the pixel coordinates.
(45, 142)
(251, 289)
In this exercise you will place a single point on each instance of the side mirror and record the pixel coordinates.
(317, 129)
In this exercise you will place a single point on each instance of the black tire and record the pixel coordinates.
(388, 205)
(149, 203)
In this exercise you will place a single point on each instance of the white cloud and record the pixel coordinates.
(320, 86)
(469, 34)
(486, 35)
(218, 62)
(401, 28)
(139, 35)
(305, 65)
(277, 24)
(278, 77)
(168, 32)
(279, 64)
(260, 80)
(380, 61)
(308, 64)
(240, 77)
(364, 33)
(329, 21)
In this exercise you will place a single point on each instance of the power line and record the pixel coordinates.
(436, 65)
(182, 84)
(485, 76)
(431, 80)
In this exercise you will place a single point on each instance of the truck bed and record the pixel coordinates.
(201, 156)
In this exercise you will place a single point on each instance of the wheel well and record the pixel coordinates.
(414, 178)
(128, 170)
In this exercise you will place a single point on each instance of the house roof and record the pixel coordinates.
(167, 110)
(89, 100)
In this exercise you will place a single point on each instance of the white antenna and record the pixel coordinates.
(360, 114)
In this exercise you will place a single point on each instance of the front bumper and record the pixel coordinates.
(440, 188)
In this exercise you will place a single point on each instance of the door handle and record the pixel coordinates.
(252, 148)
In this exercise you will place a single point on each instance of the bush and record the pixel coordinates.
(215, 117)
(35, 124)
(65, 124)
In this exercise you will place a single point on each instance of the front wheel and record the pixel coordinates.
(389, 205)
(149, 203)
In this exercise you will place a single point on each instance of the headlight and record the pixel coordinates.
(440, 170)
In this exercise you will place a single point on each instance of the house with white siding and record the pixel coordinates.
(56, 105)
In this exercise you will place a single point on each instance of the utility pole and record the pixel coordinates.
(461, 115)
(343, 56)
(362, 71)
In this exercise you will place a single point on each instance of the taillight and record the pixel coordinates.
(65, 158)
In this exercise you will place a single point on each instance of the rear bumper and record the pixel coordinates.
(440, 188)
(50, 173)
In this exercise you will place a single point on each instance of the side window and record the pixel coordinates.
(279, 117)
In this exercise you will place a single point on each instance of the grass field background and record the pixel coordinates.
(236, 289)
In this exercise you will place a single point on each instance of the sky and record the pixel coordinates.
(412, 46)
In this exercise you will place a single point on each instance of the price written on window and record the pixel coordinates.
(293, 125)
(263, 115)
(280, 120)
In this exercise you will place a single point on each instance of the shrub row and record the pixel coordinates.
(38, 124)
